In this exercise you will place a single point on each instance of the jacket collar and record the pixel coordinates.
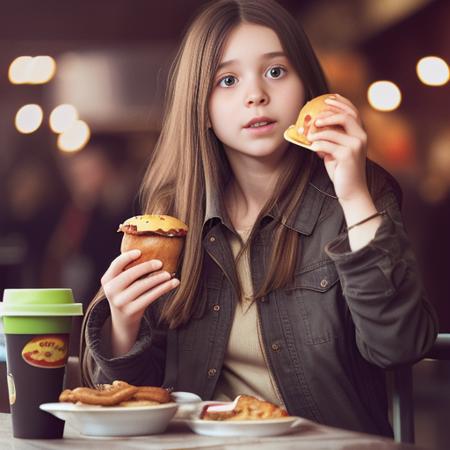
(214, 211)
(304, 218)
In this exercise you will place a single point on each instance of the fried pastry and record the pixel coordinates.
(119, 393)
(247, 408)
(107, 395)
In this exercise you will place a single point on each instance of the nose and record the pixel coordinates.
(256, 97)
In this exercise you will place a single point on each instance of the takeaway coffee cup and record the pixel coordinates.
(37, 325)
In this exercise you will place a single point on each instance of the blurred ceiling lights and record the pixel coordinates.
(384, 96)
(28, 118)
(62, 117)
(74, 133)
(432, 71)
(32, 70)
(75, 137)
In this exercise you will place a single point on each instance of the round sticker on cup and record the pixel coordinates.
(11, 389)
(48, 352)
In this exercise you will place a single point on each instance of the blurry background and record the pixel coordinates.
(66, 185)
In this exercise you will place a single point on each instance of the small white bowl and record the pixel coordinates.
(185, 397)
(114, 420)
(188, 404)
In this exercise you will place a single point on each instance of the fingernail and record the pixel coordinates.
(175, 282)
(172, 274)
(134, 253)
(157, 263)
(319, 122)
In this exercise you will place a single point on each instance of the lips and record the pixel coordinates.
(259, 121)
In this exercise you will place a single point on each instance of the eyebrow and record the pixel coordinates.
(269, 55)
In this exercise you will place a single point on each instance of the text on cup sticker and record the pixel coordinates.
(48, 352)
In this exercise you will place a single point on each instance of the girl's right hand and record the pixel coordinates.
(129, 292)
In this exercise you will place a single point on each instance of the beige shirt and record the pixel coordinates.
(245, 370)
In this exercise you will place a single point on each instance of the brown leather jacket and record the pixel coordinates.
(328, 335)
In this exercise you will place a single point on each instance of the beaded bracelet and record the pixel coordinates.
(381, 213)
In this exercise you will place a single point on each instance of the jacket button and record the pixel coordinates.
(212, 239)
(324, 283)
(275, 347)
(216, 308)
(211, 372)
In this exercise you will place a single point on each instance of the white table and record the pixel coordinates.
(178, 437)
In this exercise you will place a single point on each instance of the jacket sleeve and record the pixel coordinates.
(394, 323)
(142, 365)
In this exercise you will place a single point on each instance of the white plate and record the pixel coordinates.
(254, 428)
(114, 420)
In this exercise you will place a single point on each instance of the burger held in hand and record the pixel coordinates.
(157, 237)
(305, 122)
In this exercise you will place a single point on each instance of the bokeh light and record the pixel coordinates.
(75, 137)
(384, 96)
(43, 69)
(32, 70)
(19, 70)
(29, 118)
(62, 118)
(433, 71)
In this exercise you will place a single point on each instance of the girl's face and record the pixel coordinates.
(256, 94)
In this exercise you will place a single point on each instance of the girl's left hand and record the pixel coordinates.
(340, 140)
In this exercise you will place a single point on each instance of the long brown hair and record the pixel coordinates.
(188, 157)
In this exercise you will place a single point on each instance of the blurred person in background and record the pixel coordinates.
(83, 241)
(32, 198)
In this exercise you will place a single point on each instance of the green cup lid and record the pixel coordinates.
(39, 302)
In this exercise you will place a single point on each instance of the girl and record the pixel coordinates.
(298, 283)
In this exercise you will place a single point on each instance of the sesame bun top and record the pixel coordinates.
(154, 223)
(297, 133)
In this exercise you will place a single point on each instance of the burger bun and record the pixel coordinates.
(166, 249)
(305, 122)
(157, 237)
